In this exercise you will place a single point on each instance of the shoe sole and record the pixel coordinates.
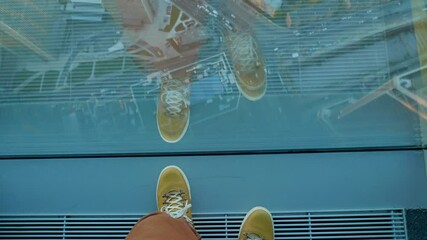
(182, 134)
(182, 173)
(253, 210)
(250, 98)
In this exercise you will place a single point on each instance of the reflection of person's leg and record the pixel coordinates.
(173, 219)
(257, 225)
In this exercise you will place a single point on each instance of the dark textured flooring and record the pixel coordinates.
(416, 223)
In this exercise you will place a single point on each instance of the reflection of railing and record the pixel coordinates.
(398, 88)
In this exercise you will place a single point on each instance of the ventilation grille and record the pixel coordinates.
(379, 224)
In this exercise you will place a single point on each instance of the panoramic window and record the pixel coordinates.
(167, 76)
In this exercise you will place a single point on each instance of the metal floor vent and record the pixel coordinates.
(375, 224)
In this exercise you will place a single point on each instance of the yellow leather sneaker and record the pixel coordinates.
(257, 225)
(173, 193)
(173, 110)
(248, 65)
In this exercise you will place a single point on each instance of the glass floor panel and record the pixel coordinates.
(166, 77)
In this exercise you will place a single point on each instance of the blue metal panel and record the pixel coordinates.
(328, 181)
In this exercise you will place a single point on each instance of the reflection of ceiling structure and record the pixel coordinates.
(400, 88)
(419, 11)
(28, 25)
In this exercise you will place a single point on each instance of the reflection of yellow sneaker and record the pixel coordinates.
(173, 110)
(248, 65)
(173, 193)
(257, 225)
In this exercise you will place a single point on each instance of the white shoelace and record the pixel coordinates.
(175, 205)
(174, 97)
(244, 51)
(251, 236)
